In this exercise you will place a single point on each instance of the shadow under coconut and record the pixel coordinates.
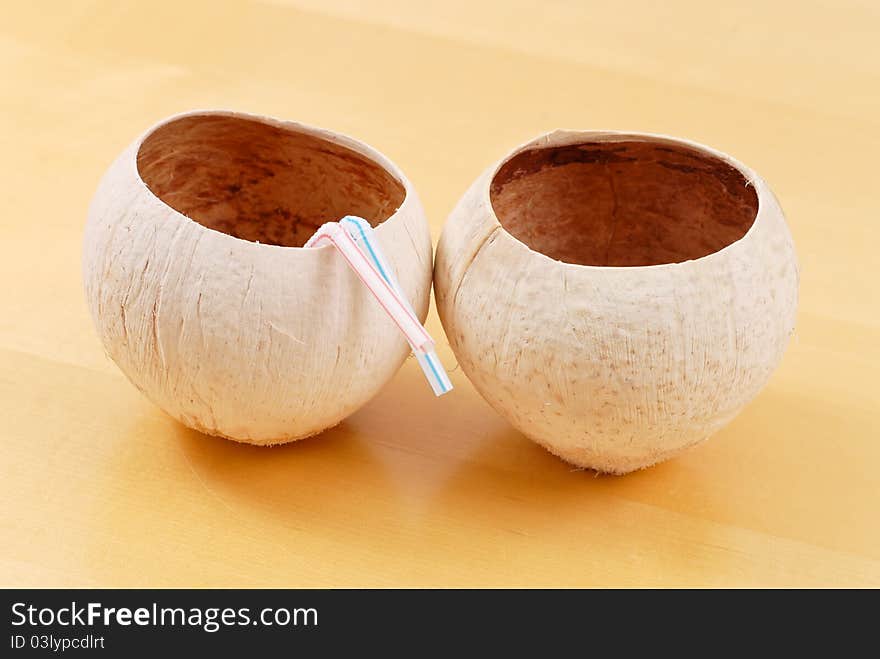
(788, 466)
(527, 510)
(773, 474)
(222, 513)
(309, 482)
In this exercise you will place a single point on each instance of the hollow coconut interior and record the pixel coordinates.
(261, 182)
(633, 202)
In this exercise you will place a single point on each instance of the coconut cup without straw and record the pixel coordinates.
(202, 293)
(618, 297)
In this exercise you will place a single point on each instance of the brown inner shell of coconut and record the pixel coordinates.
(626, 203)
(260, 182)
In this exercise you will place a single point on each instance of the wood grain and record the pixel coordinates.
(101, 488)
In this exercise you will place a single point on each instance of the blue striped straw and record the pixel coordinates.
(363, 235)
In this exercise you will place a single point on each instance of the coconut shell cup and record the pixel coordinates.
(202, 293)
(617, 297)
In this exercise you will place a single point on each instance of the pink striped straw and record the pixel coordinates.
(397, 309)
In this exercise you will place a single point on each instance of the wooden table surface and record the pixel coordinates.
(99, 487)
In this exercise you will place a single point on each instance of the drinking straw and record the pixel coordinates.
(363, 234)
(356, 241)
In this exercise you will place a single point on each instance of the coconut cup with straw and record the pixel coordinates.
(203, 293)
(618, 297)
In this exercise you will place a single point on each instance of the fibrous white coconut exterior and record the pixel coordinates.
(619, 365)
(261, 343)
